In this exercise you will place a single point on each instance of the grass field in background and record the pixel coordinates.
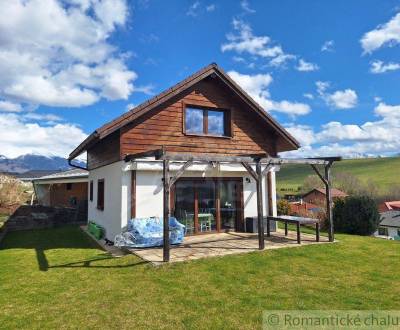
(57, 278)
(384, 172)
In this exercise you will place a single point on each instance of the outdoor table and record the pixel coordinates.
(296, 220)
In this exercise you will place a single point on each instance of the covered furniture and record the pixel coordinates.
(148, 232)
(296, 220)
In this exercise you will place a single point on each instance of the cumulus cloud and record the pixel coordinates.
(257, 87)
(306, 66)
(45, 140)
(245, 5)
(6, 106)
(245, 42)
(378, 137)
(328, 46)
(385, 34)
(59, 53)
(381, 67)
(341, 99)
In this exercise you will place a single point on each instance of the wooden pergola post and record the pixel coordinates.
(260, 216)
(166, 211)
(329, 203)
(326, 179)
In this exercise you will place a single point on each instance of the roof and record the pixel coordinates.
(70, 174)
(390, 219)
(387, 206)
(210, 70)
(335, 192)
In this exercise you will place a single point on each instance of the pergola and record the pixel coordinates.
(263, 164)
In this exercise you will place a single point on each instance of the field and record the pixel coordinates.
(384, 172)
(57, 278)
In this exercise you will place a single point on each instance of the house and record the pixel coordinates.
(205, 115)
(389, 227)
(62, 189)
(302, 208)
(389, 206)
(318, 196)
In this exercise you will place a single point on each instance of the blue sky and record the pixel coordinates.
(329, 71)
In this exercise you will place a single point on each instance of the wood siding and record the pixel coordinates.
(60, 196)
(105, 152)
(164, 126)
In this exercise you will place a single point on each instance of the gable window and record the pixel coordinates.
(100, 194)
(91, 191)
(206, 121)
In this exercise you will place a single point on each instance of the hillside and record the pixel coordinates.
(384, 172)
(31, 162)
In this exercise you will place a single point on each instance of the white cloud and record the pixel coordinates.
(45, 117)
(6, 106)
(378, 137)
(130, 106)
(211, 7)
(193, 9)
(306, 66)
(345, 99)
(59, 54)
(246, 7)
(308, 96)
(18, 137)
(381, 67)
(257, 87)
(261, 46)
(385, 34)
(328, 46)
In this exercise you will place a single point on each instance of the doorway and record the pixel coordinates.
(207, 205)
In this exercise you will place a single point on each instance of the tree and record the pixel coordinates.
(311, 182)
(283, 207)
(357, 215)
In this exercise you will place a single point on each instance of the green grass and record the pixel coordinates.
(57, 278)
(382, 171)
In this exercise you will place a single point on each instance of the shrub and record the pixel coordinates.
(356, 215)
(283, 207)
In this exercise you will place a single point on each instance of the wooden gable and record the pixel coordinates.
(164, 125)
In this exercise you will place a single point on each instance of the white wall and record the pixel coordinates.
(392, 232)
(149, 191)
(116, 198)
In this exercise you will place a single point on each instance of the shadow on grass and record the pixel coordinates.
(68, 237)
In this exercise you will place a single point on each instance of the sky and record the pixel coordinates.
(328, 71)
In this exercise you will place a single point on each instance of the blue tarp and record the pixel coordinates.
(148, 232)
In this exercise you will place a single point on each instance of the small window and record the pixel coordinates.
(69, 186)
(91, 191)
(398, 232)
(206, 122)
(383, 231)
(100, 194)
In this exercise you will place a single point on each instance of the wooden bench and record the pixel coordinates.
(296, 220)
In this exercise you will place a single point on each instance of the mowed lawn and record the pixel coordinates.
(57, 278)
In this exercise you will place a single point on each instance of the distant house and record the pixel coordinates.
(300, 208)
(389, 206)
(318, 195)
(64, 189)
(389, 227)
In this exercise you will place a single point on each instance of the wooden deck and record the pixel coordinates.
(217, 245)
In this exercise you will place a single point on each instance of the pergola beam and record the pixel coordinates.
(180, 172)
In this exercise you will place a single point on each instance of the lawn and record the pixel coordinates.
(58, 278)
(291, 177)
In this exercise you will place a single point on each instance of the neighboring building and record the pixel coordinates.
(389, 206)
(389, 227)
(64, 189)
(318, 196)
(205, 114)
(301, 208)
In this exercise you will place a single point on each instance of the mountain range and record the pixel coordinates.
(30, 162)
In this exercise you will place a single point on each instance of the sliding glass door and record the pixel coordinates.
(208, 205)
